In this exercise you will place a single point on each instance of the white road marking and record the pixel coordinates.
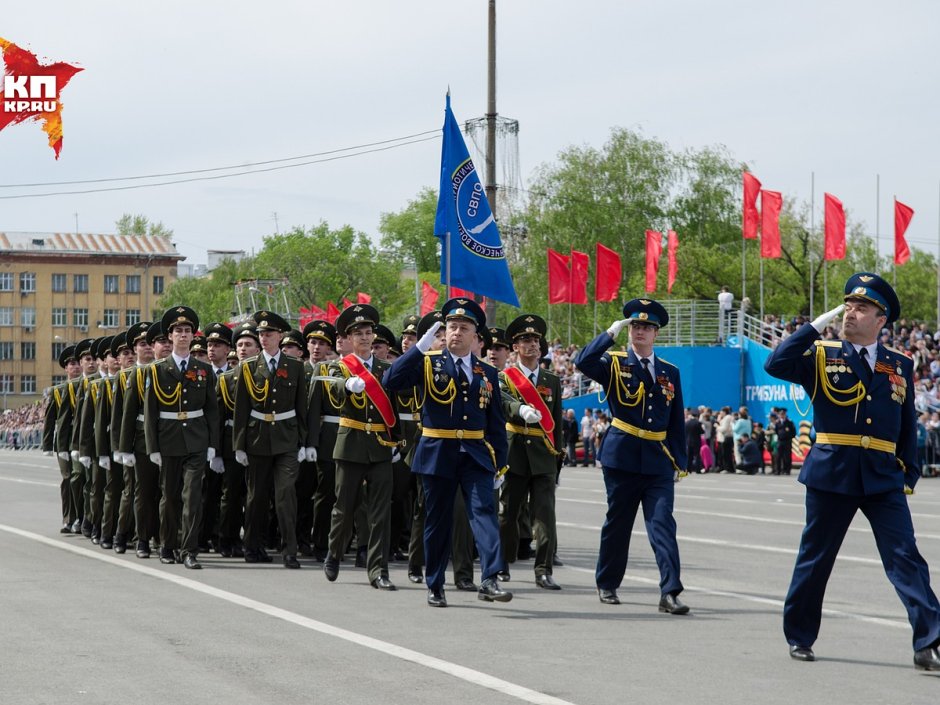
(22, 481)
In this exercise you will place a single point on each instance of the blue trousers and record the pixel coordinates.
(476, 484)
(625, 492)
(828, 516)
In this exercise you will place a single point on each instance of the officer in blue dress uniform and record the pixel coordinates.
(644, 451)
(865, 458)
(462, 443)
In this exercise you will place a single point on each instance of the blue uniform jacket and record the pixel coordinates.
(660, 410)
(474, 408)
(885, 412)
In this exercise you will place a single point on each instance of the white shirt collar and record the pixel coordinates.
(872, 352)
(466, 361)
(651, 357)
(268, 358)
(177, 359)
(368, 362)
(526, 371)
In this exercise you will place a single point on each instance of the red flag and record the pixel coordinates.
(346, 302)
(834, 228)
(304, 318)
(607, 274)
(457, 293)
(317, 312)
(331, 312)
(654, 248)
(673, 249)
(429, 297)
(559, 278)
(770, 204)
(749, 223)
(902, 218)
(577, 290)
(363, 298)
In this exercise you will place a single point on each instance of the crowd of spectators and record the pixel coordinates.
(21, 428)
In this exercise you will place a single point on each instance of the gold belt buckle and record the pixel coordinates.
(865, 441)
(182, 415)
(459, 433)
(369, 426)
(641, 432)
(269, 417)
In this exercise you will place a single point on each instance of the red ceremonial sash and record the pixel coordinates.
(532, 397)
(374, 390)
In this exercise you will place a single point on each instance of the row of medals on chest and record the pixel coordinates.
(898, 386)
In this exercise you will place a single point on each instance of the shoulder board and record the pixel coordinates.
(434, 352)
(662, 359)
(894, 350)
(828, 343)
(253, 358)
(229, 372)
(487, 364)
(618, 353)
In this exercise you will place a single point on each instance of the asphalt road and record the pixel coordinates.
(82, 625)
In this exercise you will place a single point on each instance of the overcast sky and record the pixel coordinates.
(847, 90)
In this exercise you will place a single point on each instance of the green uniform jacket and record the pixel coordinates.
(123, 381)
(96, 396)
(49, 417)
(353, 445)
(323, 402)
(409, 420)
(168, 391)
(67, 401)
(286, 392)
(530, 454)
(133, 437)
(225, 389)
(79, 409)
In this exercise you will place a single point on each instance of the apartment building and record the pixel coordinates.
(57, 288)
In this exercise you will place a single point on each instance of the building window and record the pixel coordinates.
(27, 351)
(111, 318)
(28, 317)
(28, 384)
(80, 317)
(158, 284)
(133, 283)
(6, 384)
(27, 282)
(131, 317)
(80, 283)
(6, 281)
(57, 380)
(57, 349)
(58, 282)
(6, 315)
(6, 351)
(111, 283)
(60, 317)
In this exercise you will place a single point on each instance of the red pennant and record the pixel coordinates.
(577, 289)
(902, 218)
(673, 249)
(770, 204)
(607, 275)
(363, 298)
(331, 312)
(559, 278)
(429, 297)
(457, 293)
(346, 303)
(654, 248)
(317, 311)
(834, 228)
(750, 220)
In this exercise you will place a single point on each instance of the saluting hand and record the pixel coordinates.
(427, 340)
(824, 320)
(616, 327)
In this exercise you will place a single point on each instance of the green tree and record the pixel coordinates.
(129, 224)
(409, 233)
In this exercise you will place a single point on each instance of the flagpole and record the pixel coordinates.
(877, 222)
(595, 315)
(812, 234)
(447, 268)
(743, 270)
(894, 263)
(762, 286)
(938, 261)
(569, 323)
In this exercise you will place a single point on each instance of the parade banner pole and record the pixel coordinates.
(569, 322)
(877, 222)
(595, 318)
(762, 287)
(938, 263)
(812, 234)
(447, 269)
(743, 270)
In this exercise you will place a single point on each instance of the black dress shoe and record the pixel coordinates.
(927, 659)
(331, 568)
(399, 557)
(106, 543)
(67, 529)
(490, 591)
(166, 556)
(556, 561)
(415, 577)
(305, 550)
(263, 556)
(802, 653)
(86, 528)
(436, 598)
(191, 562)
(291, 562)
(120, 544)
(503, 576)
(252, 557)
(238, 551)
(77, 526)
(608, 597)
(95, 539)
(361, 558)
(143, 549)
(547, 582)
(671, 604)
(383, 583)
(465, 585)
(225, 549)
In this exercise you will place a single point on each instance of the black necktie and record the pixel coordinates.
(273, 365)
(866, 368)
(461, 375)
(647, 376)
(532, 378)
(183, 366)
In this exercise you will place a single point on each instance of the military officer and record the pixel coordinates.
(217, 342)
(532, 404)
(462, 444)
(364, 447)
(644, 451)
(270, 437)
(865, 458)
(96, 399)
(57, 427)
(499, 349)
(181, 429)
(113, 471)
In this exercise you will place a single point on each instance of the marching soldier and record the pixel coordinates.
(364, 446)
(499, 349)
(57, 428)
(865, 458)
(644, 451)
(112, 470)
(90, 432)
(270, 437)
(462, 444)
(217, 342)
(181, 430)
(533, 408)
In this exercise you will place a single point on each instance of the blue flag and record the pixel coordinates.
(477, 259)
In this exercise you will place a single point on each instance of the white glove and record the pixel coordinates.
(311, 454)
(118, 457)
(217, 465)
(530, 414)
(824, 320)
(85, 461)
(355, 385)
(47, 453)
(427, 340)
(241, 457)
(210, 454)
(616, 327)
(129, 460)
(105, 462)
(64, 455)
(74, 455)
(301, 455)
(396, 456)
(156, 459)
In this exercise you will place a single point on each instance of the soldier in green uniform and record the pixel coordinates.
(532, 405)
(181, 429)
(217, 341)
(92, 406)
(112, 470)
(57, 427)
(270, 437)
(364, 446)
